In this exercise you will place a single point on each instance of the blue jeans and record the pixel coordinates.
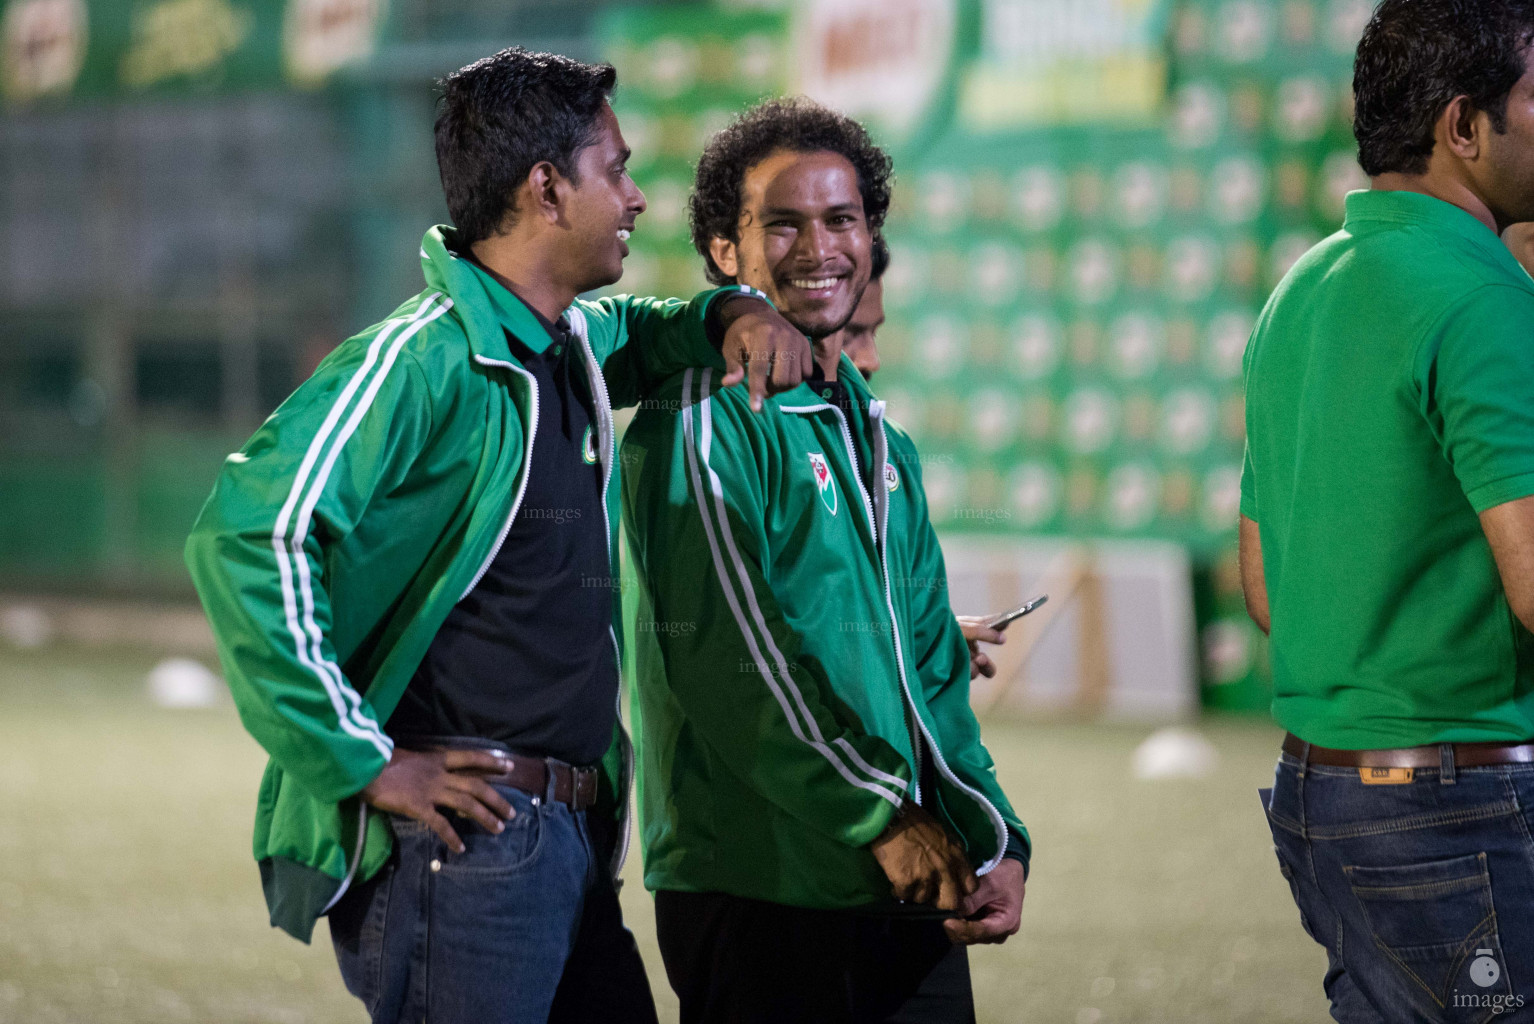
(1422, 892)
(523, 926)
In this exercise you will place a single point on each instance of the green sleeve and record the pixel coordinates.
(641, 342)
(694, 512)
(1476, 382)
(1248, 506)
(942, 663)
(257, 556)
(1248, 485)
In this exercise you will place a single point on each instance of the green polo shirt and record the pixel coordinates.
(1389, 400)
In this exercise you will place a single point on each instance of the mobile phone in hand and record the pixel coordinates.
(1003, 620)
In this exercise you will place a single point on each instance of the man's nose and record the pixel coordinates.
(815, 244)
(636, 203)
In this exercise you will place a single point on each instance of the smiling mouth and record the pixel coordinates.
(818, 288)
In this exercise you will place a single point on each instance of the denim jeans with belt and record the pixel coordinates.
(523, 926)
(1422, 892)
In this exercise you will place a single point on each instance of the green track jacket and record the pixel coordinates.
(339, 537)
(795, 649)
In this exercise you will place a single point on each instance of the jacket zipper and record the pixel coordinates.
(873, 529)
(605, 427)
(881, 457)
(881, 451)
(351, 871)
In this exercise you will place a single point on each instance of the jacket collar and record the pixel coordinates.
(486, 309)
(806, 394)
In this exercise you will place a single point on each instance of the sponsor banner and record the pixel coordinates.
(885, 62)
(53, 50)
(1066, 62)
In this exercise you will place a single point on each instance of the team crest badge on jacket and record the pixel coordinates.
(823, 481)
(891, 478)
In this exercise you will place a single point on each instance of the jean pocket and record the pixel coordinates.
(494, 854)
(1436, 923)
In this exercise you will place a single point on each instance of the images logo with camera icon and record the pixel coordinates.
(1484, 971)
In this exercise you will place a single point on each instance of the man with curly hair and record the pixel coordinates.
(822, 826)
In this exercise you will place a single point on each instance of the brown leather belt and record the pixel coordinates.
(574, 786)
(1466, 755)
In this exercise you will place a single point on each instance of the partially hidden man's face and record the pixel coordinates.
(803, 238)
(1507, 164)
(600, 209)
(860, 336)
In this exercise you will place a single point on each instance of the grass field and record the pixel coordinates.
(127, 891)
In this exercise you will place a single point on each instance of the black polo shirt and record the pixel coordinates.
(527, 658)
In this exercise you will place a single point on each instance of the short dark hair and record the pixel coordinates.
(1416, 56)
(800, 126)
(881, 258)
(502, 115)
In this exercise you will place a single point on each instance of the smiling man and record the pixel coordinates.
(408, 569)
(816, 801)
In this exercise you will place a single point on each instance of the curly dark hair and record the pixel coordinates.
(796, 124)
(881, 258)
(1416, 56)
(499, 117)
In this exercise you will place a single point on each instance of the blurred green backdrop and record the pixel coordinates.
(200, 198)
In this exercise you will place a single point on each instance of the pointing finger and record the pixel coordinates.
(760, 368)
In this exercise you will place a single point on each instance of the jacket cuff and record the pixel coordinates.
(713, 320)
(1017, 849)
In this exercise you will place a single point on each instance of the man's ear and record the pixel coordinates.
(725, 256)
(1460, 127)
(545, 191)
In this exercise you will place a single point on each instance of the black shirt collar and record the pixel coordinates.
(559, 329)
